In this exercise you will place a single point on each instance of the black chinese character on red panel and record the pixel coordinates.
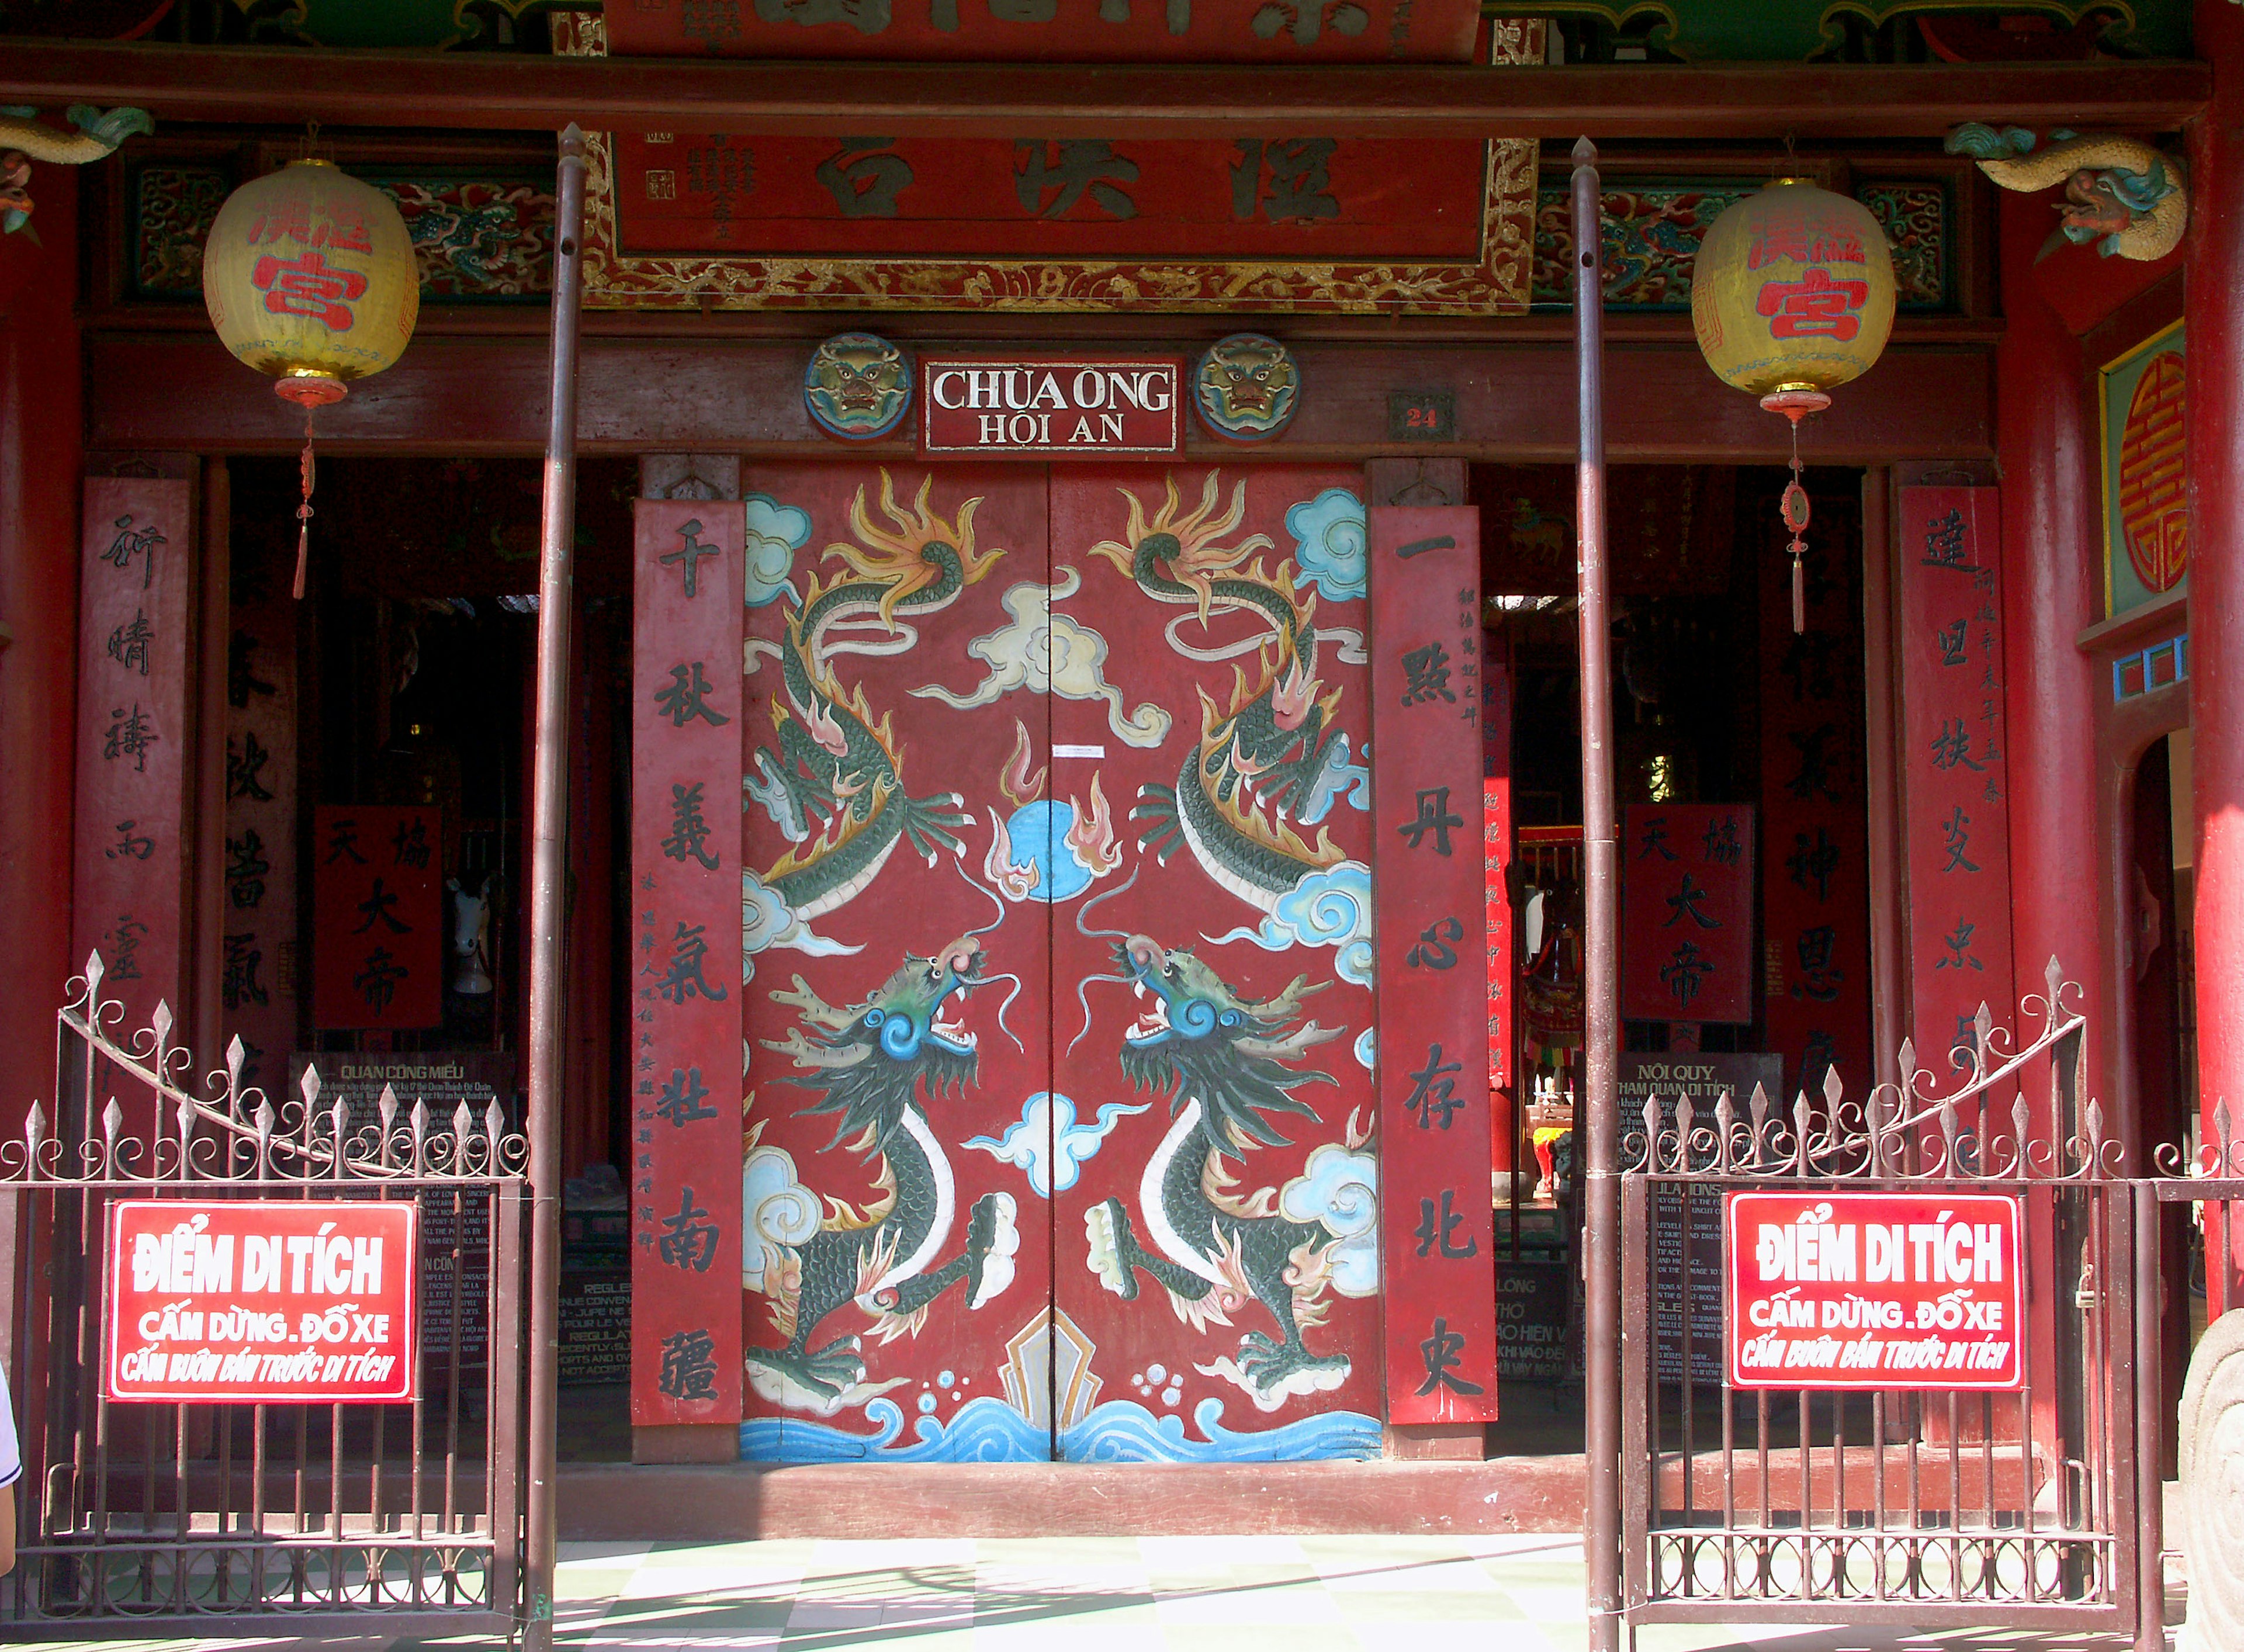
(688, 555)
(1434, 815)
(131, 735)
(689, 1365)
(689, 831)
(1434, 1099)
(1299, 189)
(864, 179)
(132, 541)
(681, 978)
(684, 1097)
(1426, 675)
(1052, 174)
(130, 844)
(1439, 1229)
(128, 643)
(689, 1239)
(245, 771)
(685, 697)
(1443, 1351)
(1435, 947)
(376, 981)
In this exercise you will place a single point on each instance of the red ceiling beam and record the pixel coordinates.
(500, 91)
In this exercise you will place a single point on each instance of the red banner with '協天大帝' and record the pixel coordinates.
(1686, 921)
(377, 917)
(1436, 1238)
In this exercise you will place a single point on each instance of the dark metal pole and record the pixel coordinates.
(549, 870)
(1601, 913)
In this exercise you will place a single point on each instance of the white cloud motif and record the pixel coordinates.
(777, 1212)
(1328, 908)
(1367, 1048)
(767, 921)
(1049, 654)
(1331, 543)
(1049, 1144)
(775, 532)
(1341, 1190)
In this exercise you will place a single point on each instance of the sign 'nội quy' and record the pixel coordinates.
(1871, 1290)
(1077, 408)
(259, 1301)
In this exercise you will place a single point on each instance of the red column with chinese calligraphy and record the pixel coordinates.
(1686, 923)
(377, 918)
(1436, 1240)
(686, 993)
(133, 620)
(1496, 850)
(1816, 895)
(1955, 835)
(258, 985)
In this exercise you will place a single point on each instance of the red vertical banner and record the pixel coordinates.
(1815, 891)
(257, 986)
(687, 989)
(1686, 916)
(138, 540)
(1497, 849)
(1955, 829)
(377, 917)
(1436, 1240)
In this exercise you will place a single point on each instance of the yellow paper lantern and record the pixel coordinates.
(309, 276)
(1791, 295)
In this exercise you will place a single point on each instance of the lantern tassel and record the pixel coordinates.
(304, 508)
(1794, 510)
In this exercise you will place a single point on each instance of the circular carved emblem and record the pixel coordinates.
(2212, 1463)
(2153, 512)
(1246, 387)
(858, 387)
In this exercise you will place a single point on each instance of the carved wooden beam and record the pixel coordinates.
(499, 91)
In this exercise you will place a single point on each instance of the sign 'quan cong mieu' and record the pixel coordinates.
(1869, 1290)
(259, 1301)
(1077, 408)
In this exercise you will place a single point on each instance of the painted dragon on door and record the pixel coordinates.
(832, 778)
(879, 1066)
(1226, 1064)
(1276, 739)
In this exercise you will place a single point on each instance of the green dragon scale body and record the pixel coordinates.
(877, 1066)
(1227, 1066)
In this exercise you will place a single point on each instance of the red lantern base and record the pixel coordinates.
(1795, 404)
(308, 390)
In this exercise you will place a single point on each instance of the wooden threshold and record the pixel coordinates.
(746, 1501)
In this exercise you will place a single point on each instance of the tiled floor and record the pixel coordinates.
(1116, 1595)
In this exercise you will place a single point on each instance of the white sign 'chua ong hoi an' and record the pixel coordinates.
(1080, 407)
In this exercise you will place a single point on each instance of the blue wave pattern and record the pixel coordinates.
(986, 1430)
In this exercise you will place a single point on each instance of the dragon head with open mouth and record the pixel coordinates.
(1198, 1037)
(877, 1058)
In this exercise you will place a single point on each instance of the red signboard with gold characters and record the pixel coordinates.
(1267, 222)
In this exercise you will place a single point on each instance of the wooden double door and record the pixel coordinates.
(1056, 927)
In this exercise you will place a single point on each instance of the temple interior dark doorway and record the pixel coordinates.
(1723, 717)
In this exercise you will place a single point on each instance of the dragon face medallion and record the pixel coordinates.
(1246, 387)
(857, 387)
